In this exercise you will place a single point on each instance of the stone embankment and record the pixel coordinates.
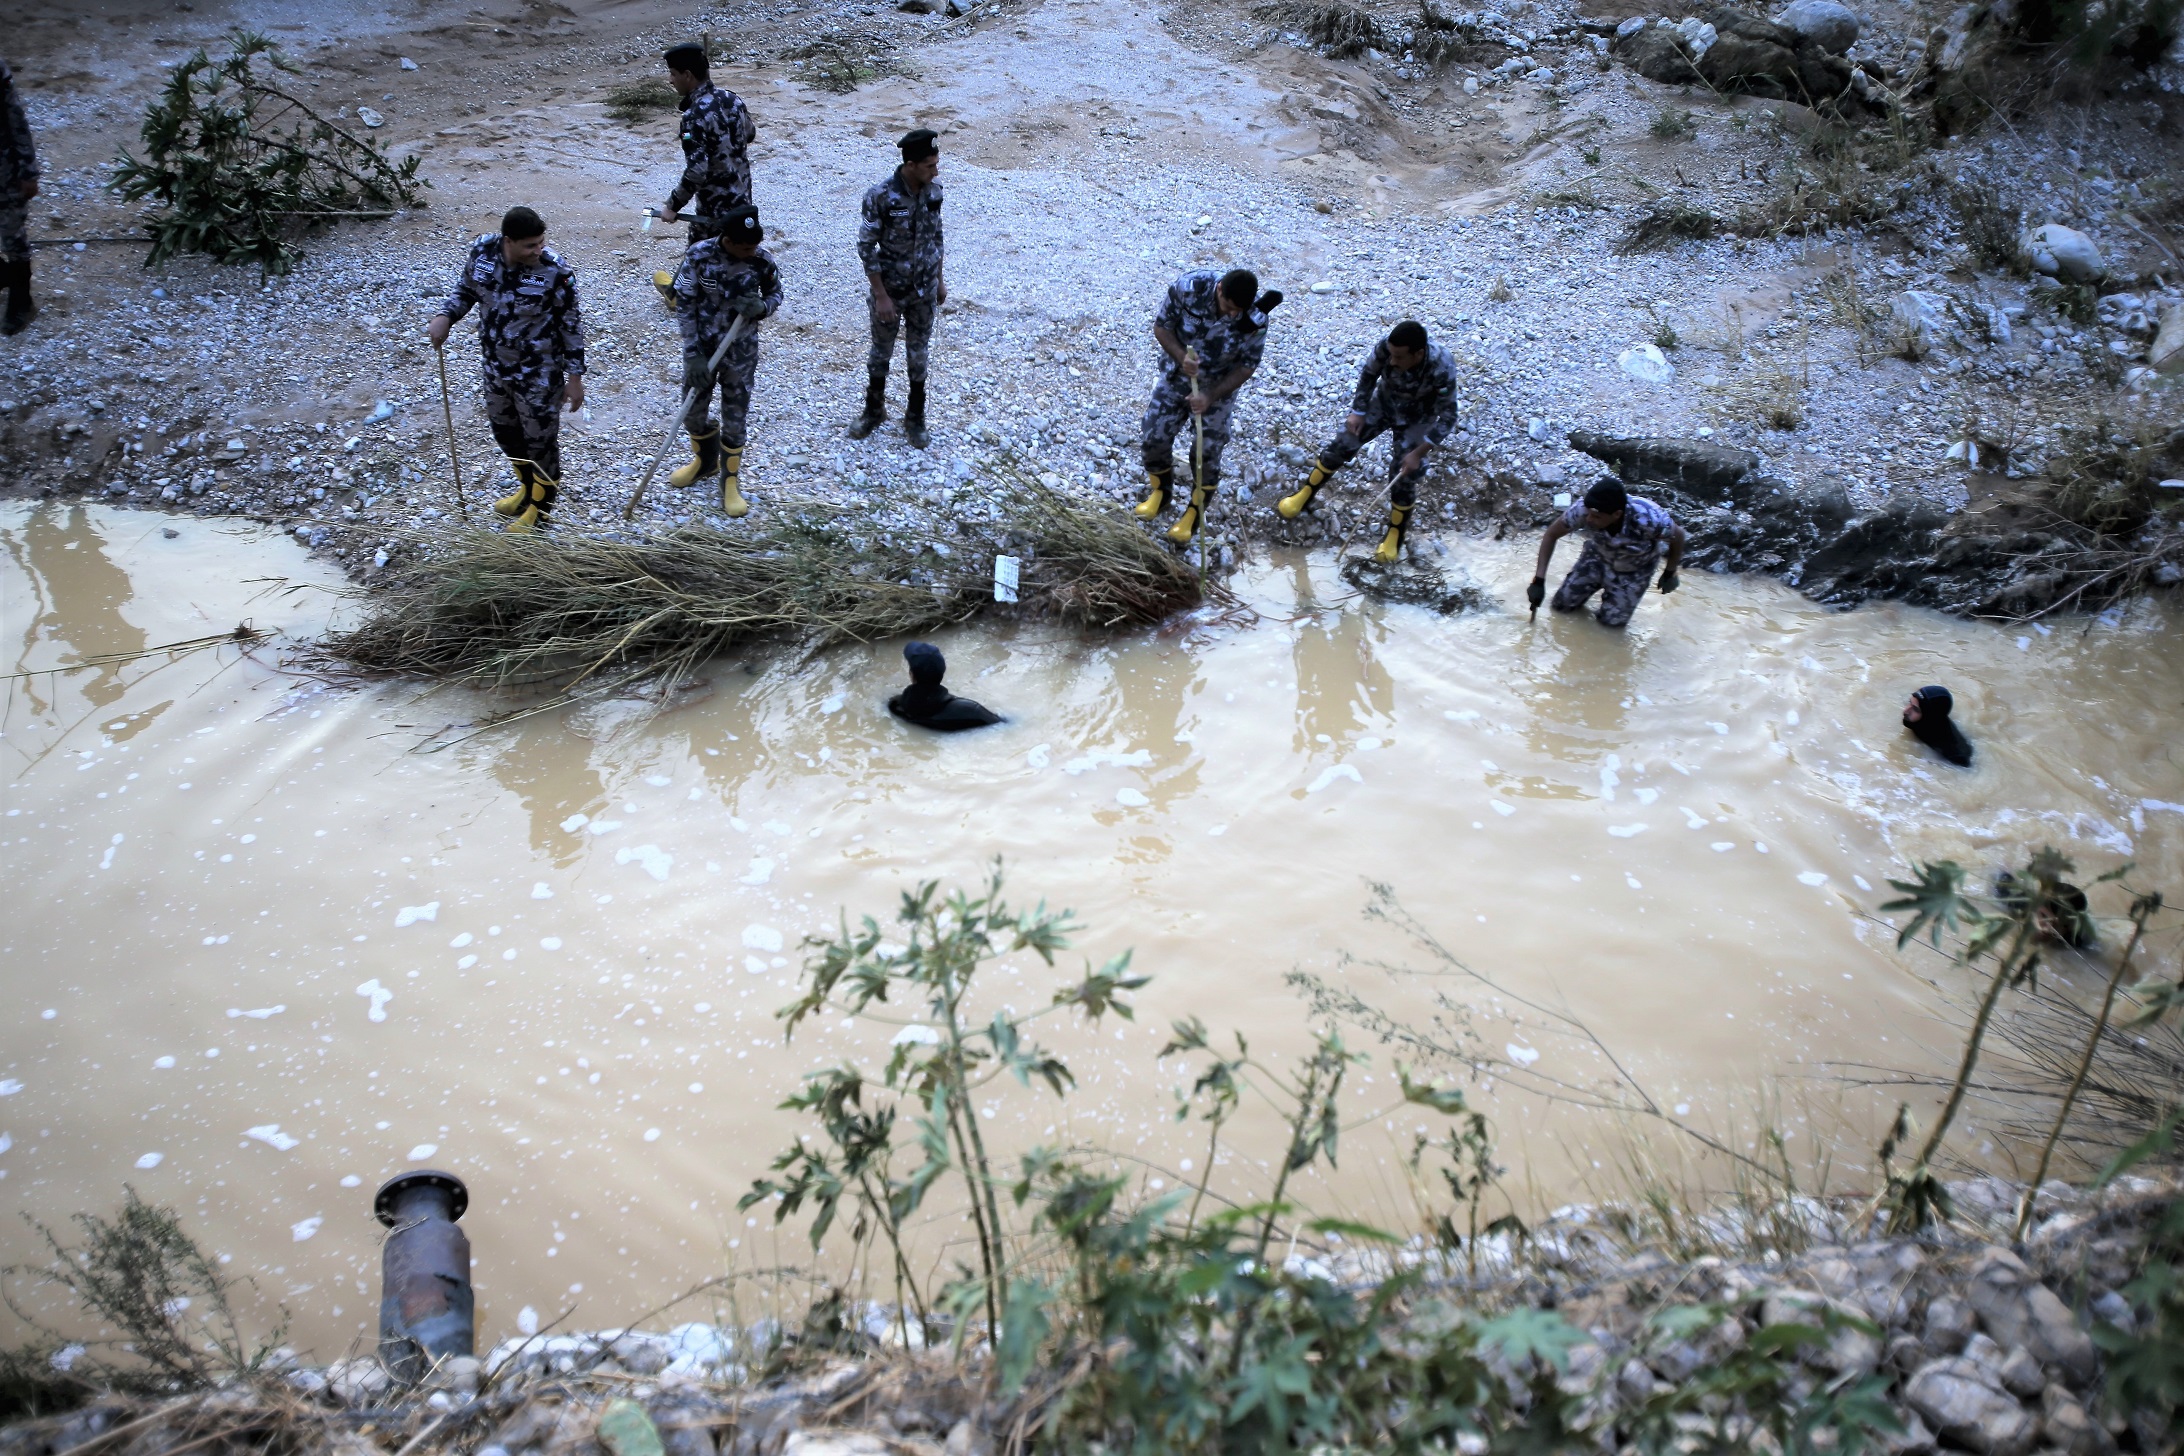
(1980, 1345)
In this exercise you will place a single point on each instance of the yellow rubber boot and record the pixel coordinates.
(536, 514)
(1158, 484)
(1390, 550)
(732, 503)
(513, 504)
(1289, 507)
(704, 460)
(665, 282)
(1193, 516)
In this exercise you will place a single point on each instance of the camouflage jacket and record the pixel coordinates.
(709, 280)
(716, 139)
(18, 156)
(1425, 393)
(899, 238)
(1192, 312)
(528, 321)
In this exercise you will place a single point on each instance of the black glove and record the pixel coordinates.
(1668, 581)
(750, 306)
(1536, 592)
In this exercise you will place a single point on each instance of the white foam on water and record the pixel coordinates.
(1523, 1056)
(304, 1228)
(411, 914)
(1626, 831)
(1041, 756)
(1132, 799)
(107, 862)
(527, 1321)
(1721, 728)
(466, 963)
(652, 1134)
(9, 1086)
(1331, 774)
(1505, 810)
(605, 826)
(1610, 776)
(549, 942)
(1813, 878)
(915, 1035)
(752, 965)
(1466, 715)
(1217, 831)
(379, 995)
(759, 872)
(832, 703)
(574, 822)
(763, 937)
(260, 1014)
(1099, 758)
(1632, 880)
(271, 1135)
(350, 1180)
(1721, 846)
(163, 1062)
(652, 859)
(423, 1151)
(1646, 796)
(542, 891)
(1692, 818)
(658, 781)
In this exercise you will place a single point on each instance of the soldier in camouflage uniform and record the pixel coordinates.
(1212, 328)
(1407, 390)
(532, 335)
(716, 137)
(899, 243)
(1624, 536)
(18, 185)
(723, 278)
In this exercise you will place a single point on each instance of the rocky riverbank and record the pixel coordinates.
(1956, 1340)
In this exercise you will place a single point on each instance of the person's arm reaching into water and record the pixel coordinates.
(1537, 591)
(1678, 537)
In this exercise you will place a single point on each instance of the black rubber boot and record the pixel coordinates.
(875, 407)
(913, 417)
(20, 308)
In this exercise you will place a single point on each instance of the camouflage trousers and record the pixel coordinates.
(526, 420)
(733, 382)
(1406, 436)
(14, 227)
(1168, 418)
(913, 318)
(1620, 591)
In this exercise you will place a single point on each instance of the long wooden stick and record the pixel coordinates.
(447, 413)
(690, 397)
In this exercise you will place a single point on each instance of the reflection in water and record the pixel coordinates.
(278, 955)
(61, 561)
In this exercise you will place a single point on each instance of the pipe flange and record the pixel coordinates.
(390, 1193)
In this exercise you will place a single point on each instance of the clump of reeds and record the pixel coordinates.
(606, 612)
(630, 102)
(1339, 30)
(1665, 223)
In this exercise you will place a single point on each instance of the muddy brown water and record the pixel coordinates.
(270, 942)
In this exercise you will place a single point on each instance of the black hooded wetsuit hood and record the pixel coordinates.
(1935, 729)
(929, 705)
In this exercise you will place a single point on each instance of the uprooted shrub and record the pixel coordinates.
(1340, 30)
(605, 613)
(239, 166)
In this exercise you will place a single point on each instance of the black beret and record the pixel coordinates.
(919, 145)
(739, 224)
(687, 58)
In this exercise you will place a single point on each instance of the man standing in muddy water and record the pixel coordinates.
(716, 140)
(1212, 328)
(899, 242)
(1624, 536)
(532, 336)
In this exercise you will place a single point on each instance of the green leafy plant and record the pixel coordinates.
(238, 166)
(171, 1309)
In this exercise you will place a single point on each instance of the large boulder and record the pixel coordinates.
(1735, 52)
(2018, 1310)
(1965, 1402)
(1832, 27)
(2166, 353)
(2063, 252)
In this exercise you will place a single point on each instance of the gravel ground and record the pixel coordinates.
(1091, 152)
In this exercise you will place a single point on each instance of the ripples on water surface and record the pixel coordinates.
(261, 951)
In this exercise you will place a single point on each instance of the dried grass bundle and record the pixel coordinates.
(605, 612)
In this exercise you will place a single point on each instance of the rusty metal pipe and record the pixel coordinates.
(426, 1310)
